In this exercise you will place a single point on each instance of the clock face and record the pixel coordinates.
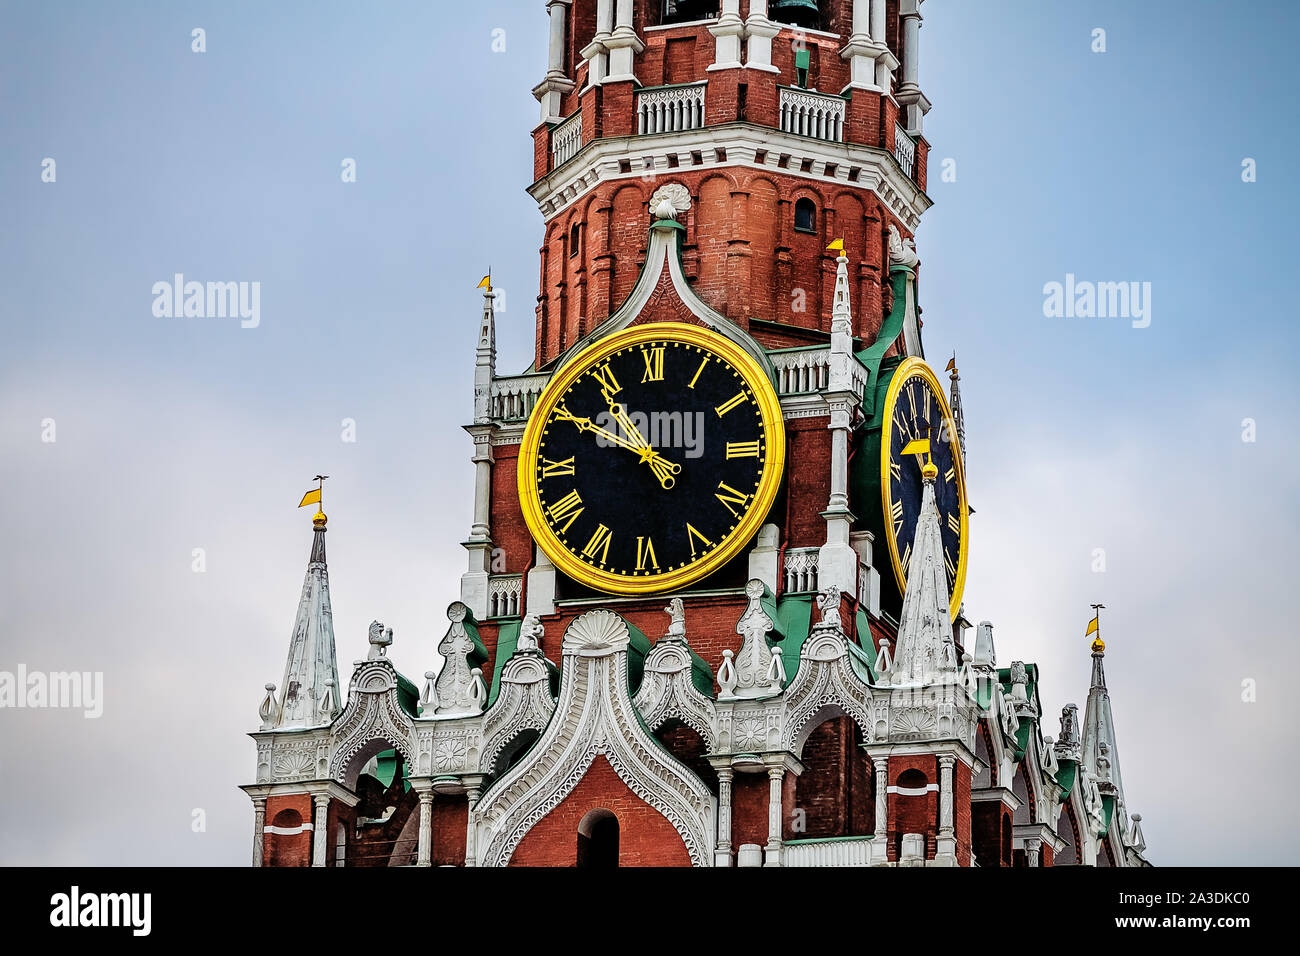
(651, 459)
(915, 408)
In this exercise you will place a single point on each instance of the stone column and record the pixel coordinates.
(760, 31)
(623, 45)
(775, 779)
(727, 32)
(320, 825)
(473, 790)
(596, 53)
(722, 855)
(885, 61)
(555, 84)
(425, 851)
(474, 582)
(909, 96)
(259, 828)
(946, 845)
(1032, 848)
(861, 49)
(879, 842)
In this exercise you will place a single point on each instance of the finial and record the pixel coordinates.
(1094, 627)
(319, 519)
(929, 471)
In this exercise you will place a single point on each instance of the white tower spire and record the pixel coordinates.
(309, 695)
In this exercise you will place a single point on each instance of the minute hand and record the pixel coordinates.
(662, 468)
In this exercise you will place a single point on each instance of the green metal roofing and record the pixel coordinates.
(862, 658)
(793, 618)
(1065, 776)
(507, 640)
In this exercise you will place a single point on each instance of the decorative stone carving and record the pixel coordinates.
(677, 196)
(267, 709)
(667, 690)
(677, 620)
(752, 663)
(374, 716)
(727, 674)
(825, 685)
(530, 634)
(1051, 766)
(524, 703)
(828, 604)
(380, 639)
(594, 716)
(902, 251)
(455, 686)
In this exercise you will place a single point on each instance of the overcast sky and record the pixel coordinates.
(176, 434)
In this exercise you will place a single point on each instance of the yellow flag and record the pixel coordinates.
(917, 446)
(486, 283)
(952, 364)
(836, 246)
(1092, 627)
(310, 498)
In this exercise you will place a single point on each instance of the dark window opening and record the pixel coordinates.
(805, 216)
(799, 13)
(684, 11)
(598, 841)
(575, 235)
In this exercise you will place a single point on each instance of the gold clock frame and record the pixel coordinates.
(913, 368)
(773, 429)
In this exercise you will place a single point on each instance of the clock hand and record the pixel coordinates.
(662, 467)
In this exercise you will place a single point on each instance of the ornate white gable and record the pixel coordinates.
(594, 716)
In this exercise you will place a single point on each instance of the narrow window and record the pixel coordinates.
(598, 840)
(805, 216)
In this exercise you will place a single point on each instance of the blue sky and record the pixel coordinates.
(176, 434)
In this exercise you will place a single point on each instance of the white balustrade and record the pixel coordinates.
(812, 114)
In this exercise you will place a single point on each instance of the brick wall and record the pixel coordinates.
(645, 837)
(286, 811)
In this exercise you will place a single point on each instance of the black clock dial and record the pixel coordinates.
(920, 412)
(650, 459)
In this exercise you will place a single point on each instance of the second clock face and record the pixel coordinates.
(915, 408)
(651, 459)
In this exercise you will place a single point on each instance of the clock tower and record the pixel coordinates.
(712, 613)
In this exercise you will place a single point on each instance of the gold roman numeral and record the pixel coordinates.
(895, 470)
(950, 564)
(654, 363)
(599, 542)
(730, 403)
(730, 496)
(570, 506)
(692, 534)
(896, 513)
(950, 475)
(954, 524)
(703, 362)
(907, 558)
(608, 383)
(742, 449)
(554, 469)
(645, 553)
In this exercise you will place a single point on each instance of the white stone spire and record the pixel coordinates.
(954, 400)
(307, 695)
(1099, 725)
(925, 647)
(485, 358)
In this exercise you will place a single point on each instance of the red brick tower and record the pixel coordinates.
(786, 136)
(742, 179)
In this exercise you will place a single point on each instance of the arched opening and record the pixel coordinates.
(805, 215)
(514, 751)
(684, 743)
(835, 793)
(916, 809)
(598, 840)
(575, 240)
(287, 839)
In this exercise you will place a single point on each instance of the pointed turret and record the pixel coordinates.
(954, 400)
(308, 697)
(1100, 755)
(485, 356)
(925, 646)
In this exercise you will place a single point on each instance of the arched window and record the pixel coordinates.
(805, 215)
(287, 839)
(598, 840)
(912, 780)
(684, 11)
(575, 235)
